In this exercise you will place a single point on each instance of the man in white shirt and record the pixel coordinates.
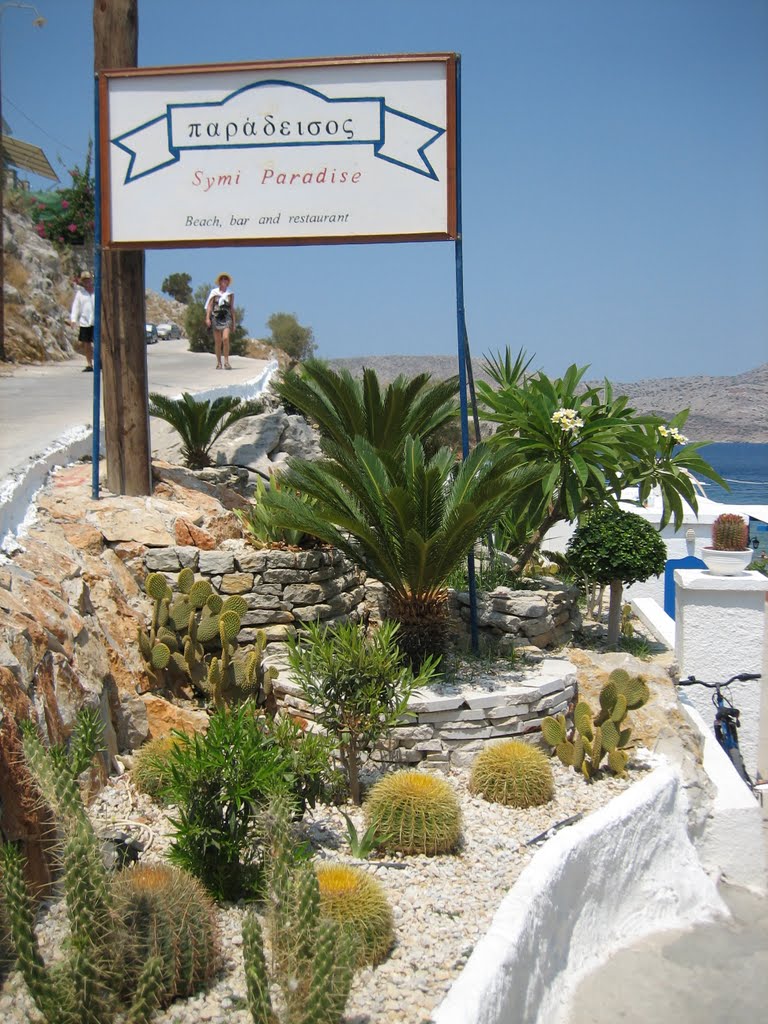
(82, 316)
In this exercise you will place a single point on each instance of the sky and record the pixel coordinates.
(614, 173)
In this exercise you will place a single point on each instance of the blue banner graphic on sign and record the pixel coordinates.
(277, 113)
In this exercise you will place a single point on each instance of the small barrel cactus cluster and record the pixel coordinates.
(595, 737)
(193, 638)
(513, 772)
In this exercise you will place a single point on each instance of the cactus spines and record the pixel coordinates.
(185, 580)
(414, 813)
(168, 915)
(256, 976)
(582, 719)
(355, 900)
(81, 988)
(313, 958)
(730, 532)
(512, 772)
(554, 730)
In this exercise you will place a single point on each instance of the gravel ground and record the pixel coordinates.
(442, 905)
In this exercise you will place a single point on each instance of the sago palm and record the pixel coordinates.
(408, 519)
(200, 423)
(345, 407)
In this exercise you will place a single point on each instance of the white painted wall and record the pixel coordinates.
(622, 873)
(721, 629)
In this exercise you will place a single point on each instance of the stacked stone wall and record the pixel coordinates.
(282, 588)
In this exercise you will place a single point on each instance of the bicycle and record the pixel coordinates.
(727, 721)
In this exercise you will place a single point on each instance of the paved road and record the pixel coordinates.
(39, 403)
(715, 974)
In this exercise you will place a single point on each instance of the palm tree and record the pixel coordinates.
(200, 423)
(408, 519)
(345, 407)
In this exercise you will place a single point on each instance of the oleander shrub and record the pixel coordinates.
(167, 914)
(355, 900)
(221, 782)
(414, 813)
(512, 772)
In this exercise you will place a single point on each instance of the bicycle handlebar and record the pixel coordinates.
(742, 677)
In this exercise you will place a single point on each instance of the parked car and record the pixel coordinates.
(167, 330)
(150, 332)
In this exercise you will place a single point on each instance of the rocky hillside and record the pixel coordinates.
(722, 408)
(38, 296)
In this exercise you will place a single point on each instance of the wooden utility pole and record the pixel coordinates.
(123, 309)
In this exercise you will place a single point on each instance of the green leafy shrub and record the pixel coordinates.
(151, 772)
(312, 957)
(167, 914)
(193, 638)
(595, 736)
(66, 216)
(414, 813)
(512, 772)
(221, 782)
(355, 900)
(358, 684)
(309, 758)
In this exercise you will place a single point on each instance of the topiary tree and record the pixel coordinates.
(178, 286)
(616, 548)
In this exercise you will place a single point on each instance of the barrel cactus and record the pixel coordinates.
(512, 772)
(414, 813)
(151, 770)
(355, 900)
(166, 913)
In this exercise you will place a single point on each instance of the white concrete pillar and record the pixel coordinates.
(721, 629)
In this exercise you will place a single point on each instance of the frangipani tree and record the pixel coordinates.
(588, 444)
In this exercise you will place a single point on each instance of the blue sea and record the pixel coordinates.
(744, 467)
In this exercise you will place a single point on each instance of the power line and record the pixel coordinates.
(39, 127)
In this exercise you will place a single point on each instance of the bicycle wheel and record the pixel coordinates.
(738, 763)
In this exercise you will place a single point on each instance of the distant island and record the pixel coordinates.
(722, 408)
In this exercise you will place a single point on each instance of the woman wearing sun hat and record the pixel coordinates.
(220, 315)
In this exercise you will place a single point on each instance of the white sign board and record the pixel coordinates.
(353, 149)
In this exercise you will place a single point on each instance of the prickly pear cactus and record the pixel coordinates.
(602, 735)
(193, 639)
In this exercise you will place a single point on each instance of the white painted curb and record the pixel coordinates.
(624, 872)
(18, 489)
(732, 844)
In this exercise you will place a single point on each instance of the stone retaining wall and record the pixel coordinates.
(448, 726)
(281, 588)
(510, 619)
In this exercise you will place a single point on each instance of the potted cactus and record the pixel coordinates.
(730, 553)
